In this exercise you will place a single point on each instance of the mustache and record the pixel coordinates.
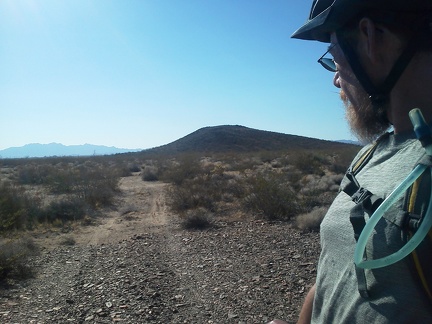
(343, 96)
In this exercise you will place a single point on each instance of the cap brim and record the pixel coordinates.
(315, 29)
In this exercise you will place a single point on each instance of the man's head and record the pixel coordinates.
(373, 41)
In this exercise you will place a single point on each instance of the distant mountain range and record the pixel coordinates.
(56, 149)
(226, 138)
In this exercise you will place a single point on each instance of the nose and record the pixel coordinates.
(336, 81)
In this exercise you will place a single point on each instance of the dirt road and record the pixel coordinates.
(140, 208)
(139, 266)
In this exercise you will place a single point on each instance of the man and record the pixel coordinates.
(382, 60)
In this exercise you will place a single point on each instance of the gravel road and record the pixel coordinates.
(240, 272)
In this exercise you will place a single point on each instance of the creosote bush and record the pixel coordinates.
(74, 189)
(271, 197)
(279, 188)
(133, 167)
(14, 255)
(191, 195)
(310, 163)
(311, 221)
(71, 209)
(186, 168)
(319, 191)
(206, 190)
(198, 219)
(150, 173)
(17, 209)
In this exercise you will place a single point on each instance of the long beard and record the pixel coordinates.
(366, 122)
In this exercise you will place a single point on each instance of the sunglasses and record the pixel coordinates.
(328, 63)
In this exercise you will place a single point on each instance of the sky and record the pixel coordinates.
(143, 73)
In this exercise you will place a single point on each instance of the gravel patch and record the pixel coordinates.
(242, 272)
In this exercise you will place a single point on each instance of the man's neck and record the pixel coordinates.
(412, 91)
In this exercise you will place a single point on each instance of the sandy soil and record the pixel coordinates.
(140, 208)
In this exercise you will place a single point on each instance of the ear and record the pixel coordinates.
(370, 39)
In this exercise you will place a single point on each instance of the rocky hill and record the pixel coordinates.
(237, 138)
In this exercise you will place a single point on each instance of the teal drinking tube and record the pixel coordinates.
(421, 128)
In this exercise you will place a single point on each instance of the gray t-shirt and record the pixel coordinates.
(394, 296)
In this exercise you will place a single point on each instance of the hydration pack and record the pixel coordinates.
(416, 202)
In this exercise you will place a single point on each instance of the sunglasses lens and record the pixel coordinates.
(328, 64)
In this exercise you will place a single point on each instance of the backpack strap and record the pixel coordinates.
(365, 201)
(367, 155)
(358, 194)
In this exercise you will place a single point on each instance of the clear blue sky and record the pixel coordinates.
(143, 73)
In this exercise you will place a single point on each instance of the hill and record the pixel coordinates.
(237, 138)
(215, 139)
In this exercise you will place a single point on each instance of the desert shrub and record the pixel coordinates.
(68, 241)
(316, 183)
(187, 167)
(311, 221)
(71, 209)
(206, 190)
(14, 256)
(34, 173)
(199, 218)
(191, 196)
(97, 186)
(133, 167)
(122, 170)
(319, 191)
(17, 209)
(271, 197)
(62, 180)
(293, 177)
(160, 167)
(95, 182)
(310, 163)
(268, 156)
(150, 173)
(244, 163)
(232, 189)
(102, 194)
(87, 184)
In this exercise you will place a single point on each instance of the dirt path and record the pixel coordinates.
(139, 266)
(140, 208)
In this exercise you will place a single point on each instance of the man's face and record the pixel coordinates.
(366, 122)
